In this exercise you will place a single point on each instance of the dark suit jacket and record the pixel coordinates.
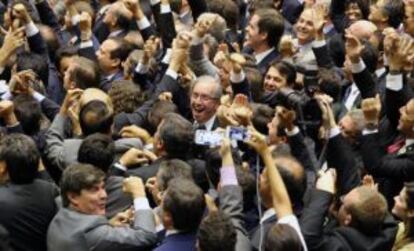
(340, 238)
(179, 242)
(255, 233)
(26, 211)
(106, 83)
(117, 200)
(269, 59)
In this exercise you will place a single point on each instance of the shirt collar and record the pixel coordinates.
(267, 214)
(409, 142)
(327, 28)
(379, 72)
(171, 232)
(115, 33)
(260, 56)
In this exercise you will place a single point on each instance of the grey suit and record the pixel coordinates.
(62, 152)
(231, 203)
(74, 231)
(199, 62)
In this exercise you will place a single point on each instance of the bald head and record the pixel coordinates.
(362, 29)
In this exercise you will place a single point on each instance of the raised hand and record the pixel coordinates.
(22, 82)
(326, 181)
(12, 41)
(237, 61)
(286, 117)
(85, 26)
(320, 13)
(72, 97)
(371, 107)
(257, 141)
(134, 186)
(134, 157)
(150, 49)
(122, 219)
(286, 47)
(353, 47)
(242, 110)
(134, 131)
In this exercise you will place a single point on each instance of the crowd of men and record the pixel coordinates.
(210, 125)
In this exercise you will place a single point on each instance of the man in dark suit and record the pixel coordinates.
(110, 55)
(81, 223)
(27, 204)
(263, 34)
(183, 207)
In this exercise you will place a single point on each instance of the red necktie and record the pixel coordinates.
(396, 145)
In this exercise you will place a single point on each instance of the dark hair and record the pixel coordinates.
(228, 9)
(65, 51)
(287, 70)
(272, 23)
(122, 50)
(282, 237)
(370, 56)
(28, 113)
(363, 6)
(262, 115)
(36, 62)
(185, 201)
(217, 233)
(126, 96)
(177, 135)
(86, 73)
(256, 82)
(214, 162)
(122, 20)
(394, 10)
(329, 82)
(77, 177)
(95, 117)
(171, 169)
(98, 150)
(21, 156)
(158, 110)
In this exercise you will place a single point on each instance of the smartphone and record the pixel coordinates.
(237, 133)
(208, 138)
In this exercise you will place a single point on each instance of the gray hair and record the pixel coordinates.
(358, 118)
(211, 80)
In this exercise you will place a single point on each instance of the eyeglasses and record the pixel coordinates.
(203, 97)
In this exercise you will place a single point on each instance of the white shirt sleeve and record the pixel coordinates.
(292, 221)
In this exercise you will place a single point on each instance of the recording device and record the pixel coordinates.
(214, 138)
(305, 105)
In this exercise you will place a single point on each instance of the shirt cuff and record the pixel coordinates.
(31, 29)
(318, 44)
(165, 8)
(172, 73)
(141, 204)
(368, 131)
(394, 82)
(228, 176)
(358, 67)
(333, 132)
(141, 68)
(294, 131)
(39, 97)
(86, 44)
(75, 19)
(154, 2)
(167, 57)
(237, 77)
(196, 40)
(6, 96)
(1, 70)
(120, 167)
(143, 23)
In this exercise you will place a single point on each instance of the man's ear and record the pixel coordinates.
(73, 198)
(167, 220)
(410, 213)
(348, 219)
(3, 170)
(116, 62)
(160, 145)
(263, 35)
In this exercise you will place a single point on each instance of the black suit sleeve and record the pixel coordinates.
(322, 56)
(365, 83)
(339, 155)
(49, 108)
(167, 29)
(198, 7)
(313, 218)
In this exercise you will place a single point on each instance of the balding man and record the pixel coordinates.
(95, 116)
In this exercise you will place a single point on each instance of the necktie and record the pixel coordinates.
(398, 143)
